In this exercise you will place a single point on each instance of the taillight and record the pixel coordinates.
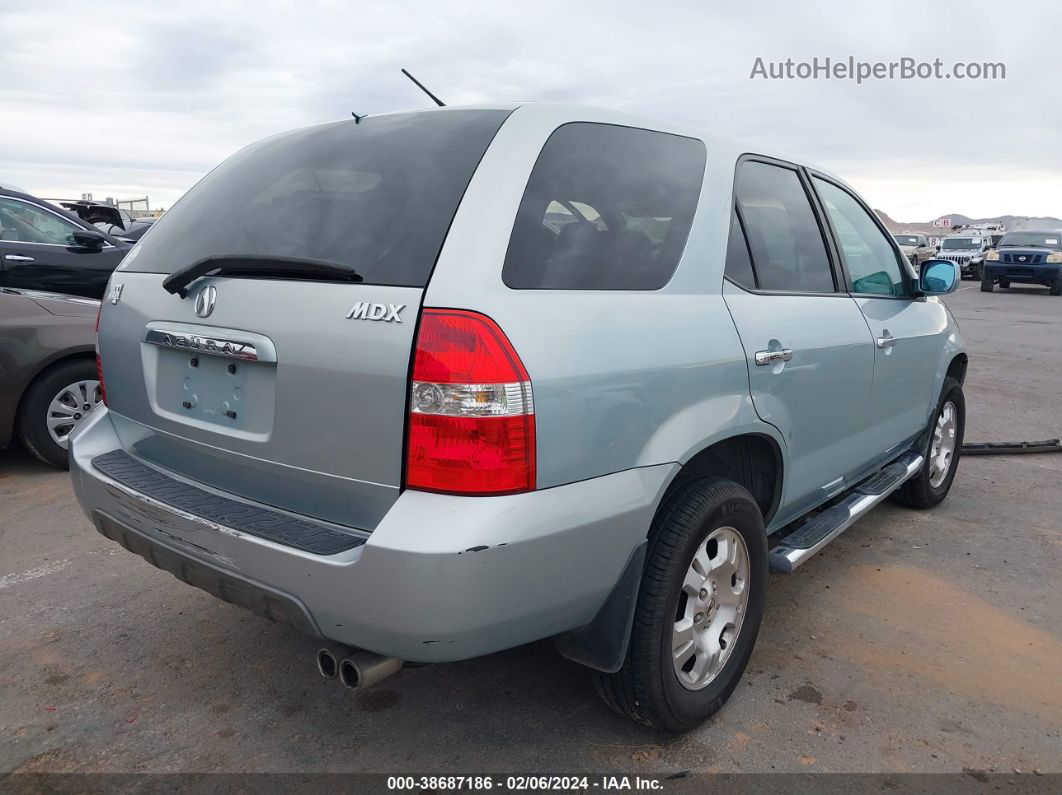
(472, 416)
(99, 365)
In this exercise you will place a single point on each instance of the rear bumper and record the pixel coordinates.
(441, 578)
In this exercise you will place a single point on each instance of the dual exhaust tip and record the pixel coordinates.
(356, 670)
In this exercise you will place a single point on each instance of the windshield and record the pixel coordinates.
(378, 196)
(906, 240)
(961, 243)
(1041, 239)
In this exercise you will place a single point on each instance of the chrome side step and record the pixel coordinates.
(822, 528)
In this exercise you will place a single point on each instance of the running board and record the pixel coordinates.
(821, 529)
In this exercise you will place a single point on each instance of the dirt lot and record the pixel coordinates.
(917, 642)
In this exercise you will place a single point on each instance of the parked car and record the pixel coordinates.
(43, 247)
(442, 383)
(48, 381)
(915, 247)
(1027, 257)
(966, 251)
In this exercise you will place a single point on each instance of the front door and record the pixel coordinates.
(907, 330)
(37, 252)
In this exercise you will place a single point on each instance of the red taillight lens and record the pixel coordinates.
(472, 417)
(99, 365)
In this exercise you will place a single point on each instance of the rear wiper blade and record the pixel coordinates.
(177, 281)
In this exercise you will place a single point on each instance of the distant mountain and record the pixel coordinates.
(958, 219)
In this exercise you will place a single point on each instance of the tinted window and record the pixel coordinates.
(25, 223)
(605, 208)
(1041, 239)
(378, 195)
(871, 260)
(738, 263)
(787, 247)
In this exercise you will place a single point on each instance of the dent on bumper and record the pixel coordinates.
(441, 578)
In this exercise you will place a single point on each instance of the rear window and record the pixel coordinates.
(378, 196)
(606, 208)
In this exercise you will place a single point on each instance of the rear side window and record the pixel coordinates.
(606, 208)
(788, 252)
(378, 196)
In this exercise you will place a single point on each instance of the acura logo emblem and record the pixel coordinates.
(204, 301)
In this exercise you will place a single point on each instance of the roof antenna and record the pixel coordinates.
(357, 118)
(420, 85)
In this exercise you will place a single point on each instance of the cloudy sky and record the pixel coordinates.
(131, 98)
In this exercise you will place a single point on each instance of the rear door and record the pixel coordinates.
(907, 331)
(809, 351)
(288, 388)
(37, 252)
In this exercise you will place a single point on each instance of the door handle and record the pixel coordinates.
(764, 358)
(886, 340)
(17, 258)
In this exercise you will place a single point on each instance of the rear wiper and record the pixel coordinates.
(177, 281)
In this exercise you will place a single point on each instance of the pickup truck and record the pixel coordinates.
(1026, 257)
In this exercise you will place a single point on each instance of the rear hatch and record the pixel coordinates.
(281, 374)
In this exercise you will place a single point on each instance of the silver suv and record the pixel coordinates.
(430, 385)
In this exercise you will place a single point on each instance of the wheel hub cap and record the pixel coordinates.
(942, 446)
(69, 408)
(711, 608)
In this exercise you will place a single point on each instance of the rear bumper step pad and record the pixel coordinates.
(256, 521)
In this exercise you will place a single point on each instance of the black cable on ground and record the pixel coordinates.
(1010, 448)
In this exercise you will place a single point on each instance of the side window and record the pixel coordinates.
(25, 223)
(872, 261)
(738, 262)
(605, 208)
(788, 252)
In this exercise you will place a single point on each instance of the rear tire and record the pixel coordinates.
(1004, 284)
(54, 405)
(704, 523)
(933, 482)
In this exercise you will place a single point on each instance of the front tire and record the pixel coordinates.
(933, 482)
(699, 608)
(1056, 287)
(53, 405)
(986, 283)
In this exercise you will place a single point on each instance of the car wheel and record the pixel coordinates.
(1056, 288)
(933, 481)
(699, 607)
(1004, 284)
(53, 405)
(986, 283)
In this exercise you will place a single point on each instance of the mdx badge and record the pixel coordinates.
(388, 313)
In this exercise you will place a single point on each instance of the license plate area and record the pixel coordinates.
(204, 389)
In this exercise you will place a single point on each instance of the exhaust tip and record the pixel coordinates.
(349, 674)
(327, 663)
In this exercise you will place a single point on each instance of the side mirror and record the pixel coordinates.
(938, 277)
(88, 238)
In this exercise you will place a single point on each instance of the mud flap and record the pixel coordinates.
(602, 644)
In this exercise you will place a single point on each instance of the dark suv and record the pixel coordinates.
(1027, 257)
(43, 247)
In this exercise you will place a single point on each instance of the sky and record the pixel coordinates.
(127, 99)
